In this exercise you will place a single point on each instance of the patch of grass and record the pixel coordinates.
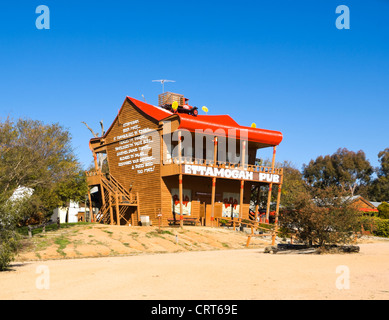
(126, 244)
(98, 242)
(42, 245)
(78, 242)
(53, 227)
(153, 234)
(113, 253)
(24, 230)
(62, 242)
(109, 232)
(225, 245)
(144, 246)
(166, 232)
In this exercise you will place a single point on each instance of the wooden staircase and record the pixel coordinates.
(119, 206)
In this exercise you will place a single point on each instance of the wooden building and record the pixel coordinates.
(156, 168)
(363, 205)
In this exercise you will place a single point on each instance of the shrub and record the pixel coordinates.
(383, 210)
(377, 226)
(8, 248)
(382, 229)
(322, 217)
(8, 237)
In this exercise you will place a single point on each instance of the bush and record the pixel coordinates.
(383, 210)
(382, 228)
(377, 226)
(8, 248)
(322, 217)
(8, 236)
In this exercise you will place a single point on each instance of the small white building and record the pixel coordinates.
(75, 211)
(72, 212)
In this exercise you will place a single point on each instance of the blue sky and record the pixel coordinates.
(281, 64)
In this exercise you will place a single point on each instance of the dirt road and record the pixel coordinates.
(226, 274)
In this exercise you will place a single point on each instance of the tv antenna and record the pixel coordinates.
(163, 83)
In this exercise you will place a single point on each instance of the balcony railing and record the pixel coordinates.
(223, 165)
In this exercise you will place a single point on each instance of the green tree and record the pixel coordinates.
(383, 158)
(350, 171)
(320, 173)
(292, 183)
(39, 156)
(383, 210)
(379, 189)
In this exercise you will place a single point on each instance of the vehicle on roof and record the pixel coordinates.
(176, 103)
(182, 109)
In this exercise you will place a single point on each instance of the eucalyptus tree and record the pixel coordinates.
(347, 170)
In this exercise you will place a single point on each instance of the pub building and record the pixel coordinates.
(169, 164)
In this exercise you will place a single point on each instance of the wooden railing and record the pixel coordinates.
(223, 165)
(236, 222)
(267, 228)
(103, 214)
(93, 173)
(114, 196)
(114, 186)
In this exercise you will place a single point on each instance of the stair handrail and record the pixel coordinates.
(118, 185)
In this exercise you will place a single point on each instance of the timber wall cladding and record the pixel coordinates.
(131, 144)
(201, 189)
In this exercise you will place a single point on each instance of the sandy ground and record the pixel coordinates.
(230, 273)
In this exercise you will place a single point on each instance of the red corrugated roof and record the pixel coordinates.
(214, 123)
(154, 112)
(229, 128)
(367, 210)
(204, 122)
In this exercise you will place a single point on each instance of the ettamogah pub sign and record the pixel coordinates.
(230, 173)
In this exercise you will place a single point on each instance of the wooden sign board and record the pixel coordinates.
(240, 174)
